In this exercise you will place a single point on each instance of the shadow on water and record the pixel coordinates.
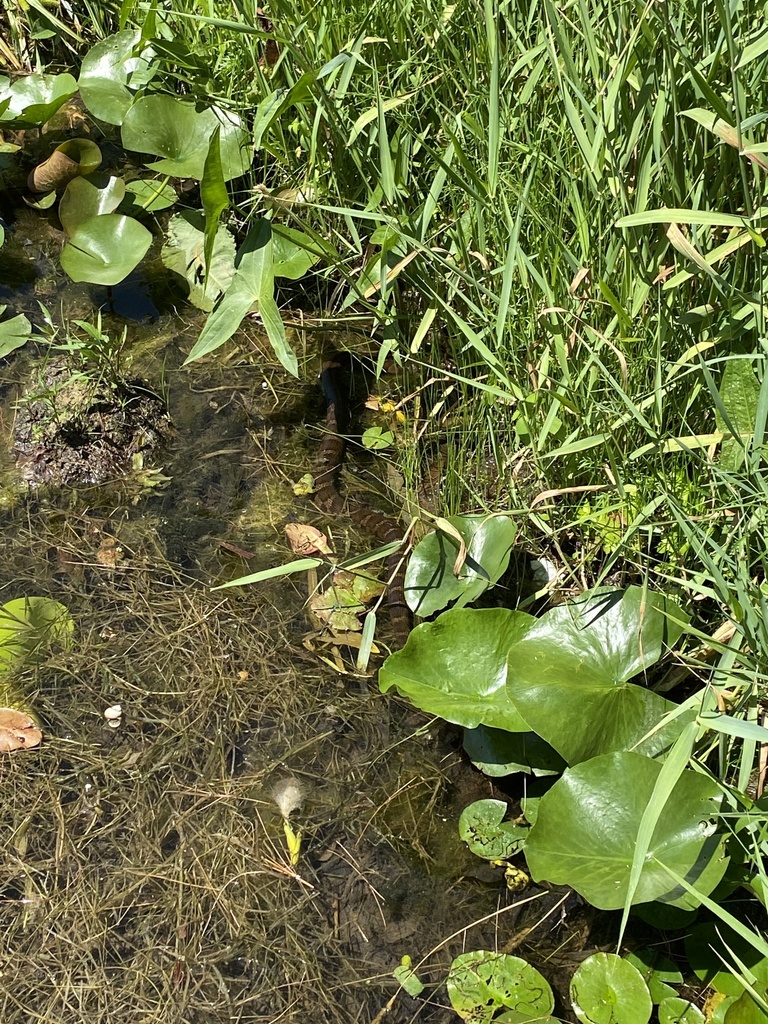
(145, 874)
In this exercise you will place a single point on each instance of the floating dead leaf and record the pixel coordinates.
(18, 731)
(304, 485)
(363, 587)
(109, 553)
(306, 540)
(338, 608)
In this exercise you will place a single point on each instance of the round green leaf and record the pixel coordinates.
(658, 971)
(377, 439)
(183, 253)
(483, 829)
(481, 982)
(587, 824)
(27, 625)
(88, 197)
(178, 132)
(14, 332)
(105, 249)
(456, 667)
(497, 752)
(430, 583)
(607, 990)
(292, 258)
(36, 98)
(675, 1010)
(580, 655)
(148, 195)
(107, 70)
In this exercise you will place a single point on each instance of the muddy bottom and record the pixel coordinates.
(146, 875)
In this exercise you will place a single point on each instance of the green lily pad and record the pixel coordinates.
(179, 133)
(710, 946)
(183, 253)
(580, 656)
(107, 71)
(481, 982)
(293, 252)
(607, 990)
(430, 583)
(105, 249)
(376, 439)
(88, 197)
(675, 1010)
(483, 829)
(33, 100)
(588, 823)
(14, 332)
(27, 626)
(658, 971)
(148, 195)
(408, 978)
(497, 752)
(456, 667)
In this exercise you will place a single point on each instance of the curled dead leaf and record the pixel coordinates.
(306, 540)
(18, 731)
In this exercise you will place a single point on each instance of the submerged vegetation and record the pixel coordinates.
(546, 225)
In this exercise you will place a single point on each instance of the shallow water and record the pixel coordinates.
(146, 875)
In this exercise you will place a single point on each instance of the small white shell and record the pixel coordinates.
(114, 714)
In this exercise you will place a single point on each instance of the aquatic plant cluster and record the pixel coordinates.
(551, 219)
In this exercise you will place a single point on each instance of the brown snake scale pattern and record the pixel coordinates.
(330, 456)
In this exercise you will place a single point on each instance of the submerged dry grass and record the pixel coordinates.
(144, 873)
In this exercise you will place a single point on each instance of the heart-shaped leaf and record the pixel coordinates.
(456, 667)
(252, 287)
(183, 253)
(35, 99)
(293, 252)
(675, 1010)
(430, 582)
(483, 829)
(180, 133)
(481, 982)
(580, 656)
(607, 990)
(148, 195)
(108, 69)
(497, 752)
(105, 249)
(588, 822)
(14, 332)
(88, 197)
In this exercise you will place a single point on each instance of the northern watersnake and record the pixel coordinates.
(330, 456)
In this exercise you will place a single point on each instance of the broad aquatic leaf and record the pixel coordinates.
(482, 982)
(252, 288)
(27, 625)
(33, 100)
(177, 131)
(497, 752)
(711, 946)
(293, 252)
(88, 197)
(213, 194)
(408, 978)
(111, 72)
(456, 667)
(430, 583)
(148, 195)
(658, 971)
(105, 249)
(483, 829)
(183, 253)
(605, 989)
(580, 655)
(72, 159)
(14, 332)
(739, 393)
(376, 439)
(674, 1010)
(587, 824)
